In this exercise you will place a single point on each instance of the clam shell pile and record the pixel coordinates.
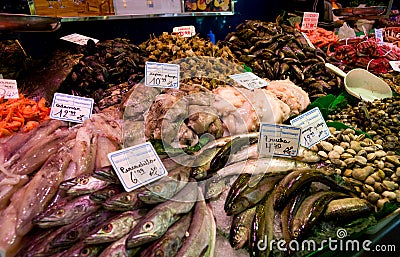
(362, 162)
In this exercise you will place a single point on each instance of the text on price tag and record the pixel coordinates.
(137, 166)
(313, 127)
(71, 108)
(249, 80)
(310, 21)
(163, 75)
(9, 89)
(78, 39)
(279, 140)
(185, 31)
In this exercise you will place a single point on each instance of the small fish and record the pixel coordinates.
(125, 201)
(155, 223)
(348, 208)
(239, 234)
(202, 232)
(66, 212)
(106, 173)
(102, 195)
(115, 228)
(165, 188)
(171, 241)
(237, 187)
(202, 163)
(215, 188)
(118, 249)
(83, 184)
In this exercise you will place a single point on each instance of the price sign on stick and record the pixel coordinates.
(279, 140)
(137, 166)
(9, 89)
(71, 108)
(249, 80)
(162, 75)
(310, 21)
(313, 127)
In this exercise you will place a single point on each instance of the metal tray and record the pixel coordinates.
(28, 23)
(360, 11)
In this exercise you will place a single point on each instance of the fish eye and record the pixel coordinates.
(157, 188)
(60, 212)
(85, 251)
(159, 253)
(72, 235)
(148, 226)
(236, 237)
(84, 181)
(127, 198)
(108, 228)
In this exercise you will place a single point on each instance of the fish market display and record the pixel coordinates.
(21, 114)
(278, 51)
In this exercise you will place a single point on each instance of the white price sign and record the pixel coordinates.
(185, 31)
(310, 21)
(78, 39)
(9, 89)
(313, 127)
(71, 108)
(163, 75)
(249, 80)
(137, 166)
(395, 65)
(279, 140)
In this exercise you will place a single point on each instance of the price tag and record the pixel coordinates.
(249, 80)
(137, 165)
(185, 31)
(279, 140)
(9, 89)
(78, 39)
(71, 108)
(379, 36)
(395, 65)
(163, 75)
(313, 127)
(308, 40)
(310, 21)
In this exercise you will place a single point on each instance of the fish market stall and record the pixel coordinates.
(246, 147)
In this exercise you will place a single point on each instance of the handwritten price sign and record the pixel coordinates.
(249, 80)
(278, 140)
(137, 166)
(310, 21)
(313, 127)
(163, 75)
(8, 89)
(185, 31)
(71, 108)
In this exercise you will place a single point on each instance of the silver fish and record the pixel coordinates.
(158, 220)
(124, 201)
(66, 212)
(115, 228)
(102, 195)
(83, 184)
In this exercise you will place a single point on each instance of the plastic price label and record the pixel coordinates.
(162, 75)
(185, 31)
(78, 39)
(71, 108)
(137, 166)
(249, 80)
(9, 89)
(279, 140)
(310, 21)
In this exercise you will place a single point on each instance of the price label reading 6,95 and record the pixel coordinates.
(163, 75)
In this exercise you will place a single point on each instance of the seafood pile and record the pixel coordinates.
(393, 80)
(33, 165)
(279, 52)
(22, 114)
(105, 64)
(321, 37)
(364, 164)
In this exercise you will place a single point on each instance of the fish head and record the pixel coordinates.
(198, 172)
(64, 239)
(237, 206)
(87, 251)
(51, 218)
(237, 236)
(125, 200)
(105, 232)
(87, 184)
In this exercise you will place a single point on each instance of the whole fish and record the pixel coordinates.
(115, 228)
(253, 194)
(237, 187)
(166, 187)
(80, 229)
(216, 188)
(124, 201)
(292, 183)
(102, 195)
(106, 173)
(239, 235)
(160, 218)
(202, 232)
(261, 165)
(171, 241)
(310, 210)
(118, 249)
(41, 189)
(66, 211)
(83, 184)
(348, 208)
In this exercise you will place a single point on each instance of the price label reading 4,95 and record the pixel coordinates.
(163, 75)
(278, 140)
(71, 108)
(313, 127)
(137, 165)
